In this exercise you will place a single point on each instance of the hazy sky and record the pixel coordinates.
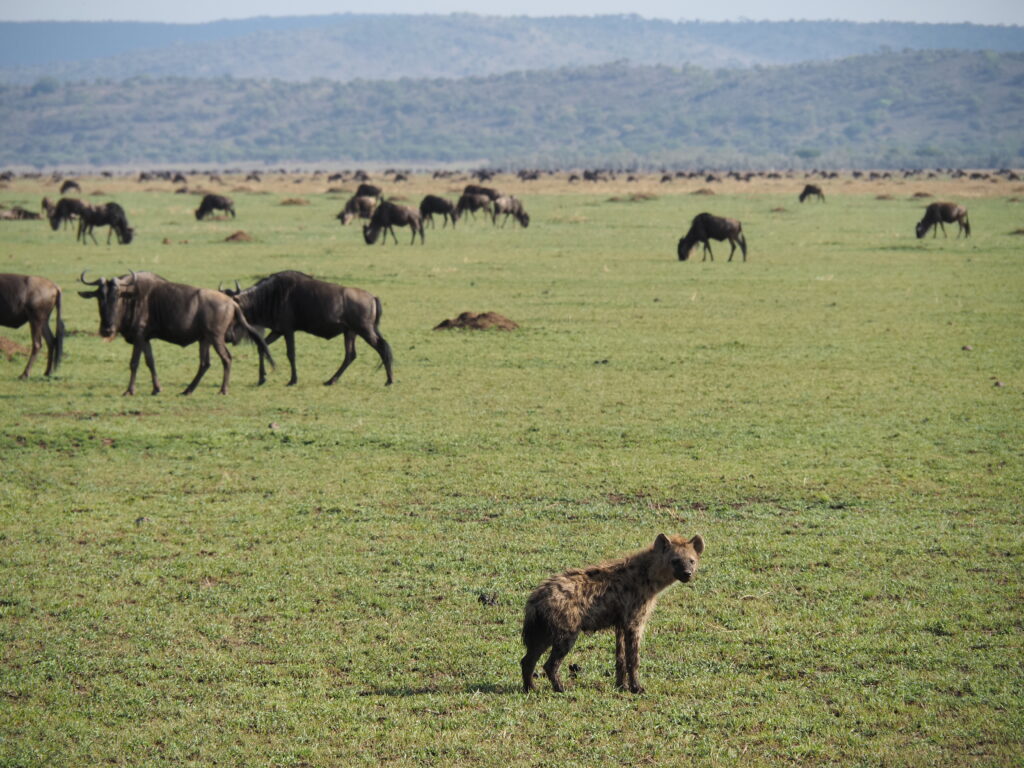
(189, 11)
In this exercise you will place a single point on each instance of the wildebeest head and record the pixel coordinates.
(110, 294)
(127, 233)
(684, 249)
(370, 233)
(922, 228)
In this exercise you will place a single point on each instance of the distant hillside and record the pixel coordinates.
(919, 109)
(375, 47)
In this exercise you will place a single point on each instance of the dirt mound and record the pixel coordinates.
(883, 197)
(1017, 232)
(10, 348)
(921, 195)
(479, 322)
(703, 191)
(295, 201)
(635, 197)
(778, 210)
(239, 237)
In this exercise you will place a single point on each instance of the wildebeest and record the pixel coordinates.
(109, 215)
(63, 211)
(432, 204)
(510, 206)
(30, 299)
(368, 190)
(706, 227)
(69, 185)
(472, 202)
(389, 215)
(620, 594)
(143, 306)
(476, 189)
(812, 190)
(941, 214)
(287, 302)
(362, 207)
(212, 203)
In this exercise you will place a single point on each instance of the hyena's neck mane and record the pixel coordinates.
(645, 570)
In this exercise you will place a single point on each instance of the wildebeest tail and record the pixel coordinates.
(253, 334)
(387, 358)
(58, 340)
(742, 240)
(967, 225)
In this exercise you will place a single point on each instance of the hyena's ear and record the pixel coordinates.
(698, 544)
(662, 543)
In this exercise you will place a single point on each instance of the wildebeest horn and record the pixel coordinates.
(82, 279)
(220, 286)
(238, 287)
(134, 276)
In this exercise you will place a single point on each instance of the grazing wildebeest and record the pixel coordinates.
(362, 207)
(287, 302)
(65, 210)
(368, 190)
(812, 190)
(30, 299)
(942, 214)
(706, 227)
(68, 185)
(389, 215)
(472, 202)
(475, 189)
(510, 206)
(432, 204)
(212, 203)
(143, 306)
(109, 215)
(620, 594)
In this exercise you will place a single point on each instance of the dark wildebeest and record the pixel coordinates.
(68, 185)
(812, 190)
(212, 203)
(368, 190)
(361, 207)
(510, 206)
(620, 594)
(287, 302)
(706, 227)
(109, 215)
(472, 202)
(389, 215)
(30, 299)
(143, 306)
(476, 189)
(942, 214)
(64, 211)
(432, 204)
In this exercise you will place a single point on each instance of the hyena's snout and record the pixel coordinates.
(683, 570)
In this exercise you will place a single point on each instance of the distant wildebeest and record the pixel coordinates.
(143, 306)
(941, 214)
(179, 178)
(368, 190)
(287, 302)
(432, 204)
(253, 176)
(706, 227)
(510, 206)
(69, 185)
(361, 207)
(211, 203)
(388, 216)
(620, 593)
(472, 202)
(17, 213)
(64, 211)
(476, 189)
(109, 215)
(812, 190)
(30, 299)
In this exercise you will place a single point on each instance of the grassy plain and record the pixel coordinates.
(292, 576)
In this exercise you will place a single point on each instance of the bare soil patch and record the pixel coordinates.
(239, 237)
(483, 321)
(295, 201)
(10, 348)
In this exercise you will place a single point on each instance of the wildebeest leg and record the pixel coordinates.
(390, 229)
(382, 348)
(289, 343)
(559, 651)
(138, 349)
(225, 357)
(350, 355)
(204, 365)
(631, 640)
(37, 344)
(51, 351)
(708, 252)
(274, 336)
(732, 248)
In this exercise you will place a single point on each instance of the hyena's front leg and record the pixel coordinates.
(620, 659)
(631, 640)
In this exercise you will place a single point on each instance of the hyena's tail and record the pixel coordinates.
(536, 630)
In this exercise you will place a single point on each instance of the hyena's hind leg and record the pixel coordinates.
(529, 663)
(559, 651)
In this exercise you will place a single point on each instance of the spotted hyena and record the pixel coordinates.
(620, 594)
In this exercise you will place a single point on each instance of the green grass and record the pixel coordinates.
(182, 583)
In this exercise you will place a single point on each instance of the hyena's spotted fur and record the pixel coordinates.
(620, 594)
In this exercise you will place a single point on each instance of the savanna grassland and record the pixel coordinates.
(320, 576)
